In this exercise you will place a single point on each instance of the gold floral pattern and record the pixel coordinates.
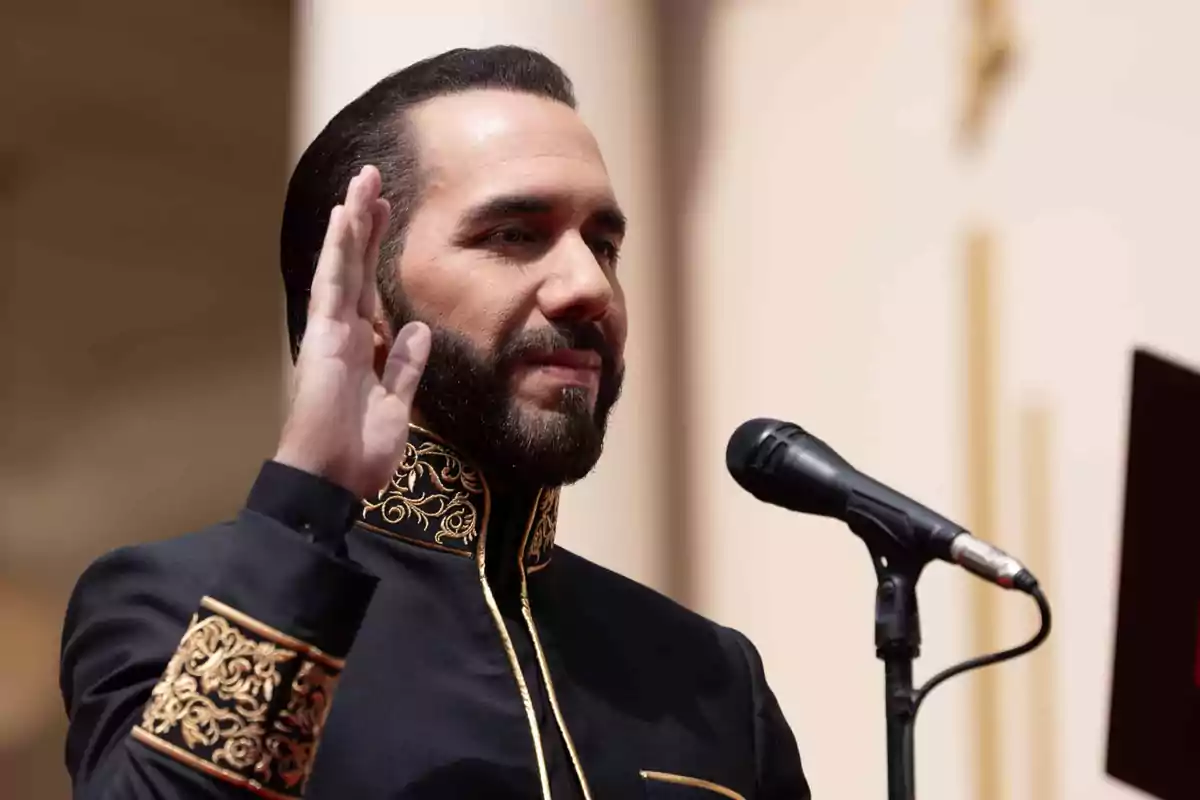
(293, 745)
(219, 701)
(439, 500)
(541, 538)
(433, 489)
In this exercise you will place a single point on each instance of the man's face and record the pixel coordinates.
(510, 257)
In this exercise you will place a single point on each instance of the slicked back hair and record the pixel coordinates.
(374, 129)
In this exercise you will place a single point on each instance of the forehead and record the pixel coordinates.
(480, 144)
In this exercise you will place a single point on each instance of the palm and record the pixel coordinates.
(347, 423)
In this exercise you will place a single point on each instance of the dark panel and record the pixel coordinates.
(1154, 724)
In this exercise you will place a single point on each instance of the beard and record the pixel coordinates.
(466, 395)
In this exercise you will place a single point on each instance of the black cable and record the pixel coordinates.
(1035, 592)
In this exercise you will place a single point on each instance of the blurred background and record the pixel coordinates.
(930, 232)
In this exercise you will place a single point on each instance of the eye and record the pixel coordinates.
(607, 252)
(512, 235)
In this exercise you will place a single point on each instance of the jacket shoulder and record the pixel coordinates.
(169, 574)
(172, 565)
(194, 549)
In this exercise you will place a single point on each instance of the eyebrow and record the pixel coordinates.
(608, 218)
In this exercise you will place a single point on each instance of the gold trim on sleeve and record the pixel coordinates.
(683, 780)
(267, 632)
(181, 755)
(543, 667)
(240, 698)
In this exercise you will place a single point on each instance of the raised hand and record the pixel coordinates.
(348, 423)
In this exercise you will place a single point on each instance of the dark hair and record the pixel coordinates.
(373, 129)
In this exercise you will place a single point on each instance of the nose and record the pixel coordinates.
(577, 287)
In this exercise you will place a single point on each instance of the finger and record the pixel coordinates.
(329, 281)
(360, 197)
(380, 219)
(360, 194)
(370, 182)
(337, 281)
(407, 361)
(353, 246)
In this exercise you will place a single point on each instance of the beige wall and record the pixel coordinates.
(823, 249)
(828, 239)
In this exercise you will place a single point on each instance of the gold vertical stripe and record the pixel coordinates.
(562, 725)
(541, 656)
(1043, 711)
(514, 663)
(981, 489)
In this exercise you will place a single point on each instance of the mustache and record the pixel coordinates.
(558, 336)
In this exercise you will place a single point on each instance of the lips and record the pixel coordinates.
(567, 359)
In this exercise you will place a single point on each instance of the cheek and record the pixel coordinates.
(463, 297)
(617, 327)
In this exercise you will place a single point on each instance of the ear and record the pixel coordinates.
(382, 335)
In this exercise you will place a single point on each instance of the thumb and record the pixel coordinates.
(406, 361)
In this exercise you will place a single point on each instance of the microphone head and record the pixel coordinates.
(781, 463)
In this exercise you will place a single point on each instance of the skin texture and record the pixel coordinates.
(516, 230)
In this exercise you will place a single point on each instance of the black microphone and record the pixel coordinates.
(782, 464)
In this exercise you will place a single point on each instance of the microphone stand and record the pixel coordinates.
(897, 636)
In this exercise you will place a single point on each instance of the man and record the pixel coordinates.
(419, 623)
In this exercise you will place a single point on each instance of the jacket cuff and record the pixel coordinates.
(245, 696)
(319, 510)
(242, 702)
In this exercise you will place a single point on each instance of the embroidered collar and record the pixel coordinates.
(438, 499)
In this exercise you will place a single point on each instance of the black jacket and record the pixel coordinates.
(470, 657)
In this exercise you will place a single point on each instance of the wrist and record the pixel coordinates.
(323, 468)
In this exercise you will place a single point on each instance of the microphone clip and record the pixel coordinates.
(898, 566)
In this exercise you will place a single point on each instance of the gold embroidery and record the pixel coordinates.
(216, 658)
(267, 632)
(199, 764)
(298, 729)
(432, 483)
(438, 500)
(541, 540)
(219, 699)
(458, 551)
